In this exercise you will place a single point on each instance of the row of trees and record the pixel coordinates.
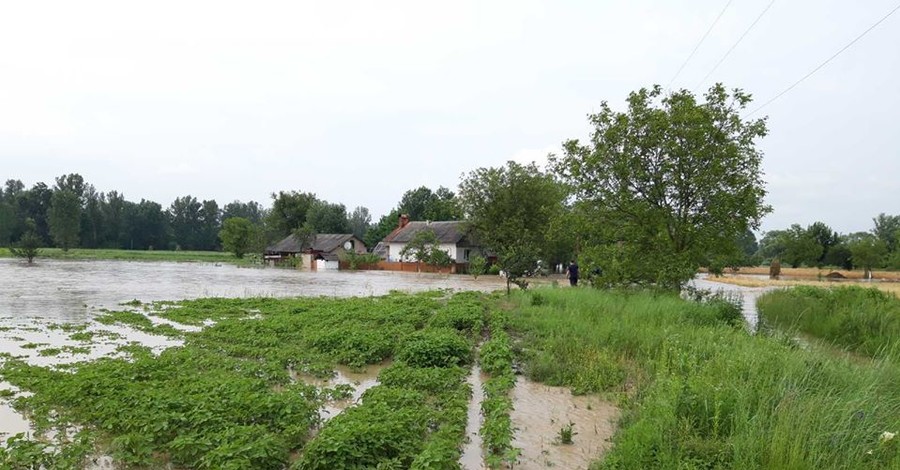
(73, 214)
(819, 245)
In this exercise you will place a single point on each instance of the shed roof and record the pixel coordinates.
(325, 242)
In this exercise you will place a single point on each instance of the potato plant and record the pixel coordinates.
(228, 398)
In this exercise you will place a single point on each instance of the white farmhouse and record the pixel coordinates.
(454, 237)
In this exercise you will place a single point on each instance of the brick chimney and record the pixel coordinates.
(404, 220)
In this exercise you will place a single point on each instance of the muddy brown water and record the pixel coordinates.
(541, 411)
(472, 457)
(360, 380)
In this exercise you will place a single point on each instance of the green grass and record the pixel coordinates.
(865, 321)
(137, 255)
(699, 393)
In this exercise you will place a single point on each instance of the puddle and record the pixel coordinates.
(540, 411)
(13, 422)
(473, 452)
(360, 381)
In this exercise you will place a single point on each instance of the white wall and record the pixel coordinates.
(323, 265)
(449, 248)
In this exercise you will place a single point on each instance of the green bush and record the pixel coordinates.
(435, 348)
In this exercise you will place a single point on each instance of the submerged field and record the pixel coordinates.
(252, 386)
(137, 255)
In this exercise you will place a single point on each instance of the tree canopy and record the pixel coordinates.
(668, 182)
(511, 210)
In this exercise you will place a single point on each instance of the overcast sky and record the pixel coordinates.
(358, 101)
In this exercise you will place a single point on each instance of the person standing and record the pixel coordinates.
(572, 273)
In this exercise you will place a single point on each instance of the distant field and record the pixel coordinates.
(814, 273)
(892, 287)
(136, 255)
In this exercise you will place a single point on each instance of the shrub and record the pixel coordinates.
(435, 348)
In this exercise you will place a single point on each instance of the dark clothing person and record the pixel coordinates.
(572, 273)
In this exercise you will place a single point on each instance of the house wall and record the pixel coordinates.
(452, 251)
(323, 265)
(461, 253)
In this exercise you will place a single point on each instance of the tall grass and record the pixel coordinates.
(866, 321)
(699, 393)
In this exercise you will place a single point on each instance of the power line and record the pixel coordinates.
(713, 25)
(735, 45)
(826, 61)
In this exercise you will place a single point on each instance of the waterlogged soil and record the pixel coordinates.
(541, 411)
(472, 457)
(360, 379)
(35, 300)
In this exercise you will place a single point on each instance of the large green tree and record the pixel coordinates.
(359, 221)
(801, 247)
(289, 209)
(669, 181)
(185, 220)
(887, 229)
(65, 218)
(867, 252)
(424, 204)
(511, 209)
(326, 217)
(386, 224)
(237, 235)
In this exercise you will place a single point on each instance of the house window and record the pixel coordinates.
(466, 254)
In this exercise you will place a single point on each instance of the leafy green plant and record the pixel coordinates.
(477, 266)
(435, 348)
(566, 433)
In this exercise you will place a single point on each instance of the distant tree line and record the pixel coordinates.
(71, 213)
(817, 245)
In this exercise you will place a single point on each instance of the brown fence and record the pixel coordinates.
(411, 267)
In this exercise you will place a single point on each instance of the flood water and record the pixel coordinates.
(66, 291)
(748, 296)
(541, 411)
(472, 457)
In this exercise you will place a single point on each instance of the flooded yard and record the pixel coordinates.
(69, 291)
(48, 310)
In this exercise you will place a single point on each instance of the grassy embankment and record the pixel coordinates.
(226, 398)
(136, 255)
(864, 321)
(700, 393)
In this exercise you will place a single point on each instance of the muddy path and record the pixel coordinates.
(539, 414)
(473, 450)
